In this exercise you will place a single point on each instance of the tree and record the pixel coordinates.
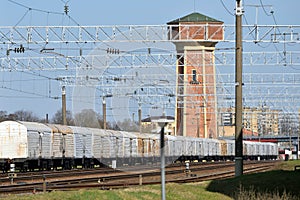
(128, 125)
(88, 118)
(23, 115)
(3, 115)
(57, 118)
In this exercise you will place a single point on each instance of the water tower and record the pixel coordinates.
(195, 36)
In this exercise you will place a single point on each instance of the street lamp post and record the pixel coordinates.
(162, 122)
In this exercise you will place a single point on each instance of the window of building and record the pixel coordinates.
(194, 75)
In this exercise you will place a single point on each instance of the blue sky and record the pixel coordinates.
(96, 12)
(130, 12)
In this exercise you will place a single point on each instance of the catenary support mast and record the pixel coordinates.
(238, 92)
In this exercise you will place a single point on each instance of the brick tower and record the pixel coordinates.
(195, 37)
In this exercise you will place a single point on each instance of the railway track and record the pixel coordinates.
(32, 177)
(108, 178)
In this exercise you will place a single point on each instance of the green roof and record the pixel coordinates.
(194, 17)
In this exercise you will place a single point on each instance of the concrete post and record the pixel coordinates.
(64, 106)
(238, 91)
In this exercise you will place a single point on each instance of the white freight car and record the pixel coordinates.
(13, 140)
(34, 145)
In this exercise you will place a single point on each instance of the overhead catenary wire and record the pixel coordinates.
(27, 92)
(284, 44)
(36, 9)
(52, 12)
(19, 21)
(225, 7)
(83, 56)
(48, 12)
(262, 5)
(281, 53)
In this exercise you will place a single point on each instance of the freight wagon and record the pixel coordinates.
(32, 145)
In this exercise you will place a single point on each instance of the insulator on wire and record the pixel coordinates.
(21, 49)
(66, 8)
(112, 51)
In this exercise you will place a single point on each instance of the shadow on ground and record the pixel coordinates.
(277, 182)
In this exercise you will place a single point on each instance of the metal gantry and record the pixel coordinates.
(117, 60)
(75, 62)
(140, 33)
(69, 47)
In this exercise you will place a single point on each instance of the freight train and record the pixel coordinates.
(31, 146)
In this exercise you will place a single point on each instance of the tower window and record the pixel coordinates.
(194, 75)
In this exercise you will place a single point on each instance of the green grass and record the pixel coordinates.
(152, 192)
(282, 183)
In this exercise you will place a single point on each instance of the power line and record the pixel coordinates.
(27, 92)
(65, 2)
(263, 6)
(253, 36)
(5, 35)
(94, 37)
(226, 8)
(36, 9)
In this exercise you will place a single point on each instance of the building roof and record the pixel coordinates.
(194, 17)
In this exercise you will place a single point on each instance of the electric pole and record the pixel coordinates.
(238, 91)
(140, 118)
(64, 106)
(104, 112)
